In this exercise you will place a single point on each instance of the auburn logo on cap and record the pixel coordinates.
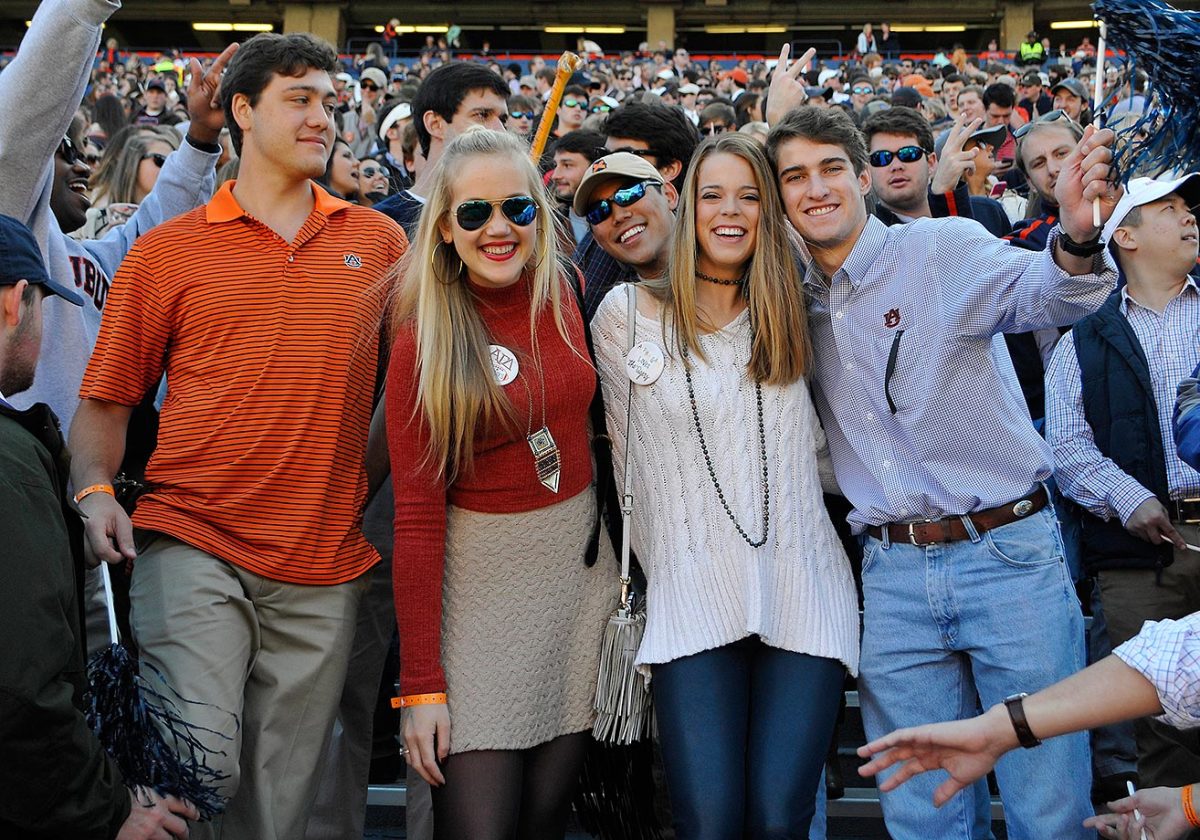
(600, 165)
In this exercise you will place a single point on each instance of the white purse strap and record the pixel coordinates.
(627, 489)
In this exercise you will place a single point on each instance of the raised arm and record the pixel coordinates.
(54, 59)
(188, 177)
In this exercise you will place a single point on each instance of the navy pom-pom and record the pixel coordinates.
(1163, 42)
(129, 714)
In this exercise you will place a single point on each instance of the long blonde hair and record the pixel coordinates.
(456, 390)
(781, 350)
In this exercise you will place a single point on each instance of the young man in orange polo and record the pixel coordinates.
(263, 310)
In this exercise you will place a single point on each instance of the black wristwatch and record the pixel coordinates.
(1016, 713)
(1080, 249)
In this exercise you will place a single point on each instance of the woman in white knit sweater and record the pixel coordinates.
(752, 618)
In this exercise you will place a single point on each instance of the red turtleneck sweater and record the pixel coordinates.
(503, 479)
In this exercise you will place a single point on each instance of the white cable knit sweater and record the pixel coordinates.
(708, 587)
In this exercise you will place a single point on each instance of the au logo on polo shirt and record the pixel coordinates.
(352, 261)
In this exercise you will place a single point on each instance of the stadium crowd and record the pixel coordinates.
(333, 353)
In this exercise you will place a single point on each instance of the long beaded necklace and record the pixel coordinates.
(762, 445)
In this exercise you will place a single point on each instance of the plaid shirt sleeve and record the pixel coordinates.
(1167, 653)
(600, 273)
(1081, 470)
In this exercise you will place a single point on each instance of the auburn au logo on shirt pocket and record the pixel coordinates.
(352, 261)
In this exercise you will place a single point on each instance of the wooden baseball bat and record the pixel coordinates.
(568, 63)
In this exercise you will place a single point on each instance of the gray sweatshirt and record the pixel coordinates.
(45, 84)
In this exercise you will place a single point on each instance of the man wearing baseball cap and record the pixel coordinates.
(392, 123)
(57, 779)
(1110, 398)
(155, 111)
(1032, 95)
(733, 83)
(1072, 98)
(630, 209)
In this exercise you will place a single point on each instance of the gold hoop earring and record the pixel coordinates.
(456, 275)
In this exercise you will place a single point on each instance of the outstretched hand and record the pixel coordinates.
(204, 98)
(786, 92)
(1085, 176)
(966, 749)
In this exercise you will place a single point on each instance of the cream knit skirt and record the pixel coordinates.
(522, 623)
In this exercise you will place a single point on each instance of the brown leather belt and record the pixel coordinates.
(1187, 511)
(951, 528)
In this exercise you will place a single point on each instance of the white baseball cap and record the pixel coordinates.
(400, 112)
(1140, 191)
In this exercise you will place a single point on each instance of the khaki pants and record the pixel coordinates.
(273, 654)
(1166, 756)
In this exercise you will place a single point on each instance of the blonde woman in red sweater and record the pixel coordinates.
(487, 418)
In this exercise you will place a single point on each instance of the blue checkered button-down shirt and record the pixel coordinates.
(1171, 342)
(1167, 653)
(914, 383)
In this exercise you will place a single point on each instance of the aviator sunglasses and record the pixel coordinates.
(521, 210)
(907, 154)
(603, 208)
(1048, 117)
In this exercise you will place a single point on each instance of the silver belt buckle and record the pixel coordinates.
(912, 535)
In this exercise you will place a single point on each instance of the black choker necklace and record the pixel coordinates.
(708, 278)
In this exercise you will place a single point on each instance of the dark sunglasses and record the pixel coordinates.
(603, 208)
(1048, 117)
(642, 153)
(158, 159)
(862, 90)
(372, 171)
(714, 129)
(601, 109)
(907, 154)
(68, 152)
(472, 215)
(573, 103)
(522, 115)
(369, 86)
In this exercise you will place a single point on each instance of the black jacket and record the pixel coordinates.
(56, 780)
(1119, 405)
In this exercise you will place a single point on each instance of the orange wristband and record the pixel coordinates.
(418, 700)
(1189, 810)
(95, 488)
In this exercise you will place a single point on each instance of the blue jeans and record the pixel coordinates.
(947, 625)
(1114, 747)
(744, 730)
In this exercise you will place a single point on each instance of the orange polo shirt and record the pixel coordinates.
(270, 350)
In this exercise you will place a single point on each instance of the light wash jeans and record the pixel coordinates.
(982, 618)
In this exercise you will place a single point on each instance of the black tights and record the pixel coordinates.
(509, 794)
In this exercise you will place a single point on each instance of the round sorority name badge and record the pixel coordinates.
(504, 364)
(645, 363)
